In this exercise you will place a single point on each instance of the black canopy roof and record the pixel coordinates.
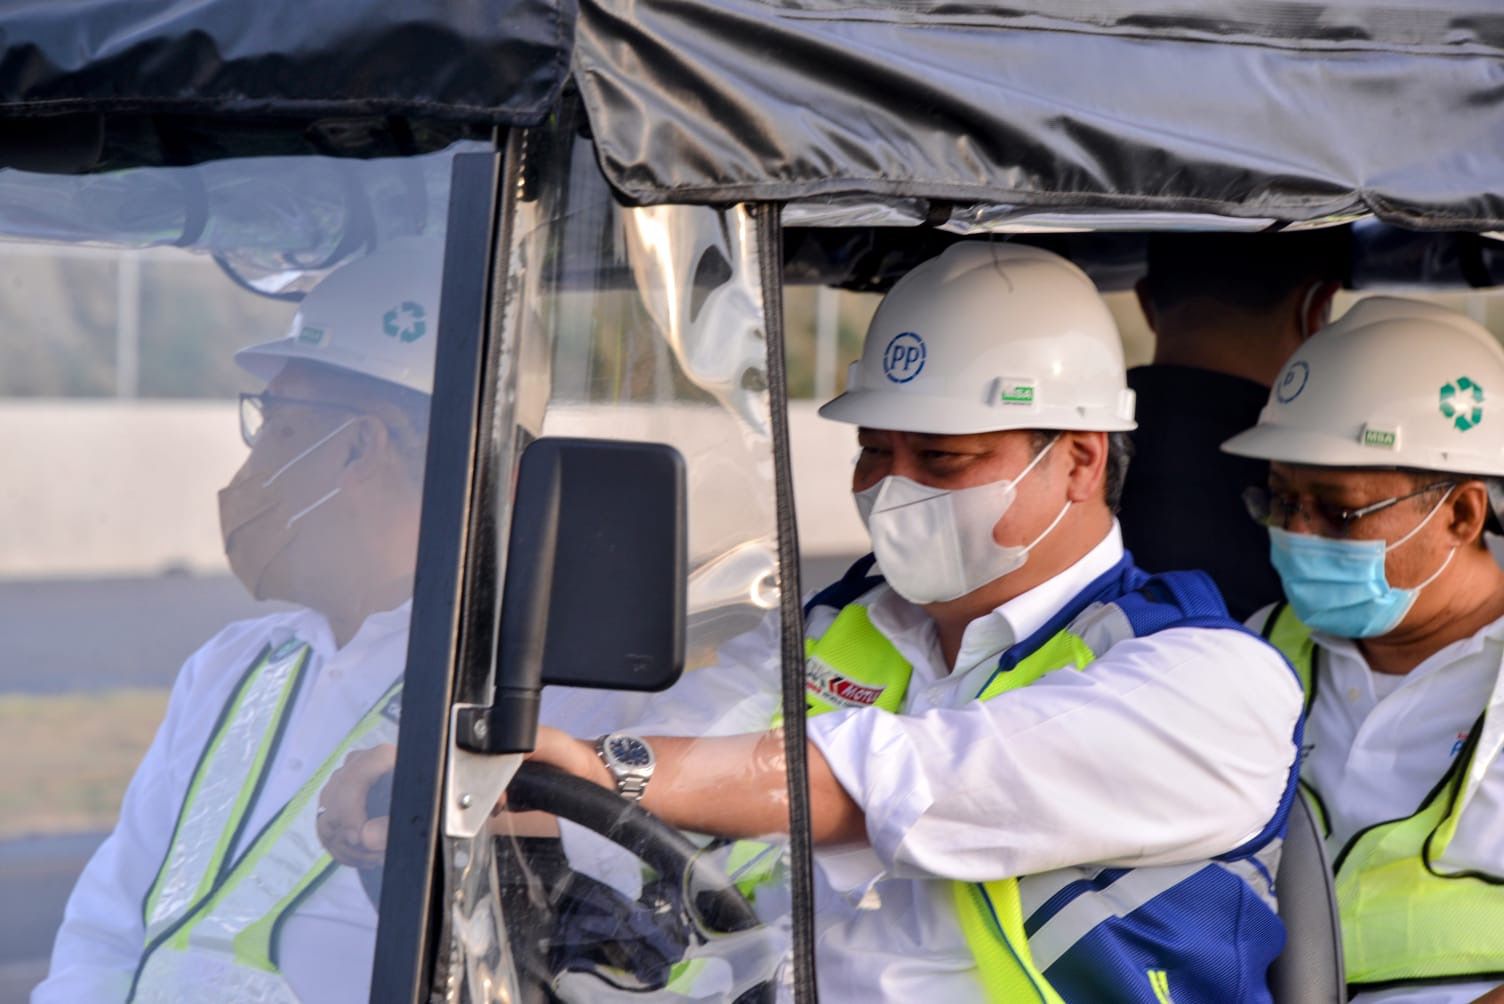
(1281, 111)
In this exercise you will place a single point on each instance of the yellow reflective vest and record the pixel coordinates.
(1163, 938)
(213, 917)
(1405, 919)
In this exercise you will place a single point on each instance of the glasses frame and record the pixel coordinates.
(256, 404)
(1258, 497)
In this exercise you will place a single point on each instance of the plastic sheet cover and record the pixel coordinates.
(178, 479)
(1276, 111)
(645, 325)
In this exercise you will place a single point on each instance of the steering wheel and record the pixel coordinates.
(714, 897)
(708, 896)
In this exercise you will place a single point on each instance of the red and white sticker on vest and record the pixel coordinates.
(830, 686)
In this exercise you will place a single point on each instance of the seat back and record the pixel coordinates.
(1310, 970)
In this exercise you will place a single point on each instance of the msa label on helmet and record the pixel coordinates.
(1385, 438)
(1462, 402)
(313, 336)
(1015, 391)
(1293, 382)
(833, 688)
(904, 357)
(405, 321)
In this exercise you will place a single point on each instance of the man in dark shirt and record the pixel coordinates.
(1227, 310)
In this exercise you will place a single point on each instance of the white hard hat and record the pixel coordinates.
(989, 337)
(1393, 383)
(376, 316)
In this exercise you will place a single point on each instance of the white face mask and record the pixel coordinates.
(934, 545)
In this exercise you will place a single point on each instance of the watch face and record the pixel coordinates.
(629, 751)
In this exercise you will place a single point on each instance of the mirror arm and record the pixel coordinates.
(508, 726)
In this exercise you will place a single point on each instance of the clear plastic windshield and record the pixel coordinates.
(208, 531)
(644, 325)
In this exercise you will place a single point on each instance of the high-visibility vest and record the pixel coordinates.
(1405, 917)
(1205, 931)
(213, 918)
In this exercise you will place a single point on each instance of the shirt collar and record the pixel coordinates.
(313, 627)
(1447, 654)
(995, 632)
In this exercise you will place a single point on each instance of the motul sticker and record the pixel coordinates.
(830, 686)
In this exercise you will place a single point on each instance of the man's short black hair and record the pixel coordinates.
(1246, 272)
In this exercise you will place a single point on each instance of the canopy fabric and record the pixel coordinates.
(1287, 110)
(966, 113)
(101, 84)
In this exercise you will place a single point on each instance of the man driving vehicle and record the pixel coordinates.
(1385, 456)
(1036, 772)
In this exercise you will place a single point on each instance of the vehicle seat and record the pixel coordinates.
(1309, 971)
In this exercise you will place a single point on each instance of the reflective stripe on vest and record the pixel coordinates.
(1405, 919)
(213, 920)
(1010, 958)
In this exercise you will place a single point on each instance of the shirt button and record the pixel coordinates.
(335, 674)
(295, 763)
(1352, 693)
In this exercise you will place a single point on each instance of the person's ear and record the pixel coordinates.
(1315, 311)
(1466, 512)
(369, 450)
(1088, 464)
(1141, 291)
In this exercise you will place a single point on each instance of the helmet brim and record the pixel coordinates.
(266, 360)
(1286, 445)
(938, 416)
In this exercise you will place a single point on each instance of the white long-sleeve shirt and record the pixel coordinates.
(1172, 749)
(1376, 744)
(328, 942)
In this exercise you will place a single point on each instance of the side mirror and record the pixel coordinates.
(595, 581)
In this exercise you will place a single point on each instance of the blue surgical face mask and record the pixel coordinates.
(1339, 586)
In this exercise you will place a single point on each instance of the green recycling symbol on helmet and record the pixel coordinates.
(405, 321)
(1462, 402)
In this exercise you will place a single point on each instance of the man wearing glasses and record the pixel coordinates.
(1386, 446)
(213, 886)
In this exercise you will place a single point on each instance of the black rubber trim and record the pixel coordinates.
(790, 611)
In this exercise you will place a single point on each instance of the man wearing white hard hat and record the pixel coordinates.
(214, 886)
(1385, 445)
(1036, 772)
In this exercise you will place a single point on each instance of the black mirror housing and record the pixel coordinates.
(594, 593)
(598, 530)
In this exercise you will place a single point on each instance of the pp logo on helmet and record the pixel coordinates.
(405, 321)
(1462, 402)
(1293, 382)
(904, 357)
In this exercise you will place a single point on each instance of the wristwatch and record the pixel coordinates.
(630, 761)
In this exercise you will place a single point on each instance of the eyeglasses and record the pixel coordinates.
(1270, 509)
(253, 408)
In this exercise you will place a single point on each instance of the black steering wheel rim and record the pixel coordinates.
(716, 900)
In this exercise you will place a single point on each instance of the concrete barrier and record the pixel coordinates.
(96, 488)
